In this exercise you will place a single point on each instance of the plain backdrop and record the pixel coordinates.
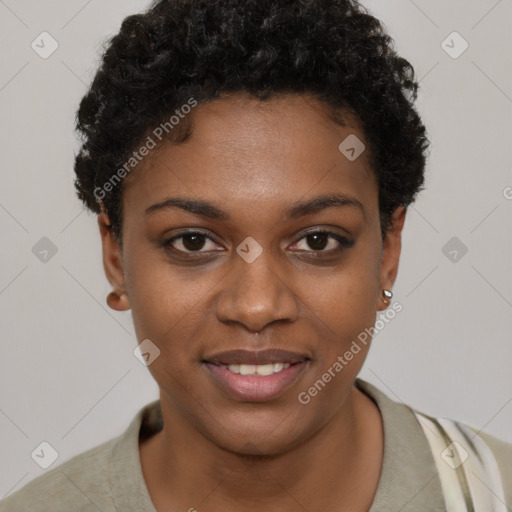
(68, 375)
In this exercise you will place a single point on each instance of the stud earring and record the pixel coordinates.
(387, 294)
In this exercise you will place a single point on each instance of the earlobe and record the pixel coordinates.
(113, 265)
(391, 250)
(118, 301)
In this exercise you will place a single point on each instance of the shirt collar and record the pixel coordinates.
(408, 482)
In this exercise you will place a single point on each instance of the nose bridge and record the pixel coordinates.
(255, 294)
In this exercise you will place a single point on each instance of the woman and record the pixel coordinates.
(251, 164)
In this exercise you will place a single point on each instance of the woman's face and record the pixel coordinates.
(237, 267)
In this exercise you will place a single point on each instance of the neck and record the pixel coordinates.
(340, 463)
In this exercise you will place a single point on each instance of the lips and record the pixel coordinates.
(252, 376)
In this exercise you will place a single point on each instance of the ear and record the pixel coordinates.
(390, 257)
(113, 265)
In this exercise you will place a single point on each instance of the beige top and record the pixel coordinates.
(109, 477)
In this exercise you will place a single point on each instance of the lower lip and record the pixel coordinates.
(256, 388)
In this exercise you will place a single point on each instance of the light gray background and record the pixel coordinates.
(68, 375)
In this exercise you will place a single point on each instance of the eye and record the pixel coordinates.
(191, 241)
(319, 241)
(322, 241)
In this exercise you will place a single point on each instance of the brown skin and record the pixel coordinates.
(253, 160)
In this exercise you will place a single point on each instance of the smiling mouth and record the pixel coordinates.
(256, 376)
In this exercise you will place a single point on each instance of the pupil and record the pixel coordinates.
(197, 242)
(319, 241)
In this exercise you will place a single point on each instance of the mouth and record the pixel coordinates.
(256, 376)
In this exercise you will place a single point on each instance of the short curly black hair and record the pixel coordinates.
(200, 49)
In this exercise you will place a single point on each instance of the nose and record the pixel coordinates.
(254, 295)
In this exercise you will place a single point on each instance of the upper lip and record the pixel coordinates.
(255, 357)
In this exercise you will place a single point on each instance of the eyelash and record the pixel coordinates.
(345, 243)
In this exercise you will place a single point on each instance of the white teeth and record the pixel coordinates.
(265, 369)
(257, 369)
(247, 369)
(278, 367)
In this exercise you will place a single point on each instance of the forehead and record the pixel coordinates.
(244, 152)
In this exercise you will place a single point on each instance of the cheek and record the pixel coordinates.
(343, 310)
(345, 299)
(165, 300)
(342, 322)
(352, 300)
(166, 310)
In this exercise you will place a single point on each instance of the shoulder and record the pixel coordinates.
(502, 452)
(483, 459)
(98, 479)
(407, 433)
(80, 485)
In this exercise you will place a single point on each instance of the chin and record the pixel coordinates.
(260, 436)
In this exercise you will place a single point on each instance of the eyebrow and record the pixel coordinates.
(300, 209)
